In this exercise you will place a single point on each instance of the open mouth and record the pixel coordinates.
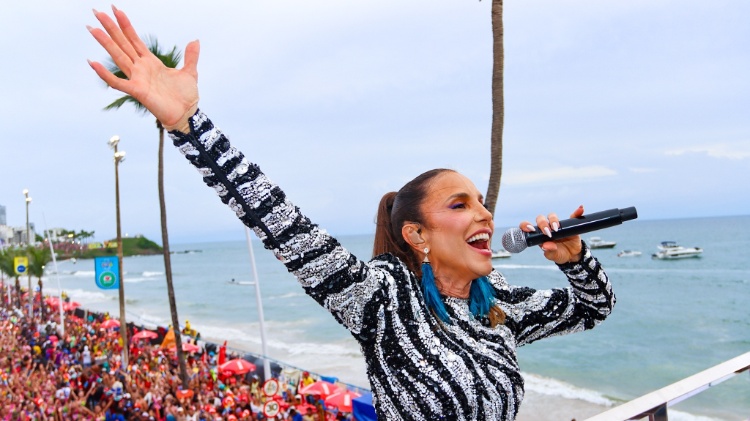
(480, 241)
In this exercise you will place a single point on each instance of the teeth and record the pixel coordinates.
(482, 236)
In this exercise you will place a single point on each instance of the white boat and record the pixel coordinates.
(500, 254)
(598, 243)
(670, 250)
(629, 253)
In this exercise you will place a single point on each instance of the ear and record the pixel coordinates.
(412, 233)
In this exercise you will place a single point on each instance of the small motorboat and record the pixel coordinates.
(629, 253)
(500, 254)
(670, 250)
(598, 243)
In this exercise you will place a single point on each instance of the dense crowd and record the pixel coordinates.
(80, 376)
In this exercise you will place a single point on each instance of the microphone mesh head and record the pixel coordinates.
(514, 240)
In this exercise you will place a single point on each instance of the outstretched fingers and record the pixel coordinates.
(114, 42)
(136, 46)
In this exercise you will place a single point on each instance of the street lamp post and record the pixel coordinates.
(28, 244)
(119, 157)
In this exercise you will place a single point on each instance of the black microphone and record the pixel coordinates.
(516, 241)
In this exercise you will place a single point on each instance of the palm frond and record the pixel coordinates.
(126, 99)
(170, 59)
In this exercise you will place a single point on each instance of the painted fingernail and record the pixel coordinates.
(89, 28)
(556, 226)
(530, 227)
(95, 11)
(114, 8)
(547, 232)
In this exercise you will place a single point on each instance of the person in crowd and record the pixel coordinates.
(438, 326)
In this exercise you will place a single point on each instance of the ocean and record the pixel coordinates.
(672, 318)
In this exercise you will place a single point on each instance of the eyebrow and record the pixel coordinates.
(464, 196)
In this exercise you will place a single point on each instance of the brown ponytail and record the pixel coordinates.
(384, 241)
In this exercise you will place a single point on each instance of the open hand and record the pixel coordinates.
(171, 95)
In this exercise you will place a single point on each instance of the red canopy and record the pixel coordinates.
(110, 324)
(145, 334)
(71, 306)
(188, 347)
(237, 366)
(320, 387)
(342, 400)
(183, 394)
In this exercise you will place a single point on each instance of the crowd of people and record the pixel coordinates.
(80, 375)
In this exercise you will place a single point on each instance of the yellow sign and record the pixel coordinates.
(21, 264)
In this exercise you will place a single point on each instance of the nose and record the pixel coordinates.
(483, 214)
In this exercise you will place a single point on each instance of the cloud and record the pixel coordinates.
(734, 151)
(566, 174)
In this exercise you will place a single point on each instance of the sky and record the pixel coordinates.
(608, 104)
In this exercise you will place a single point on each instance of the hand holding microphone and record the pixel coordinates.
(515, 240)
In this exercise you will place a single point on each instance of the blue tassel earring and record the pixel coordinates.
(430, 291)
(482, 297)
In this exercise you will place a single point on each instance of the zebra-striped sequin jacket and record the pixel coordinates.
(419, 368)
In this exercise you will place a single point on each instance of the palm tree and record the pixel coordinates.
(6, 268)
(170, 59)
(498, 107)
(39, 257)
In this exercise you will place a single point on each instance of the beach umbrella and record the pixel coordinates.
(184, 393)
(71, 306)
(237, 366)
(342, 400)
(188, 347)
(110, 324)
(145, 334)
(320, 387)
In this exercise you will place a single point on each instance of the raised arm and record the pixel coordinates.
(349, 288)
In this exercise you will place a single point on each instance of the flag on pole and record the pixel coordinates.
(106, 272)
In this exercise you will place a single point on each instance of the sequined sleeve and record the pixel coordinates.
(536, 314)
(347, 287)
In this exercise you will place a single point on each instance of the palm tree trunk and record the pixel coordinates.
(498, 107)
(168, 262)
(18, 291)
(41, 299)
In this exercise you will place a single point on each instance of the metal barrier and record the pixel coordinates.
(654, 405)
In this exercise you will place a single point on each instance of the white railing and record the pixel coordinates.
(654, 405)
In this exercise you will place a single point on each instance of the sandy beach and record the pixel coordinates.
(539, 407)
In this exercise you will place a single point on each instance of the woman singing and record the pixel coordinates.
(438, 326)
